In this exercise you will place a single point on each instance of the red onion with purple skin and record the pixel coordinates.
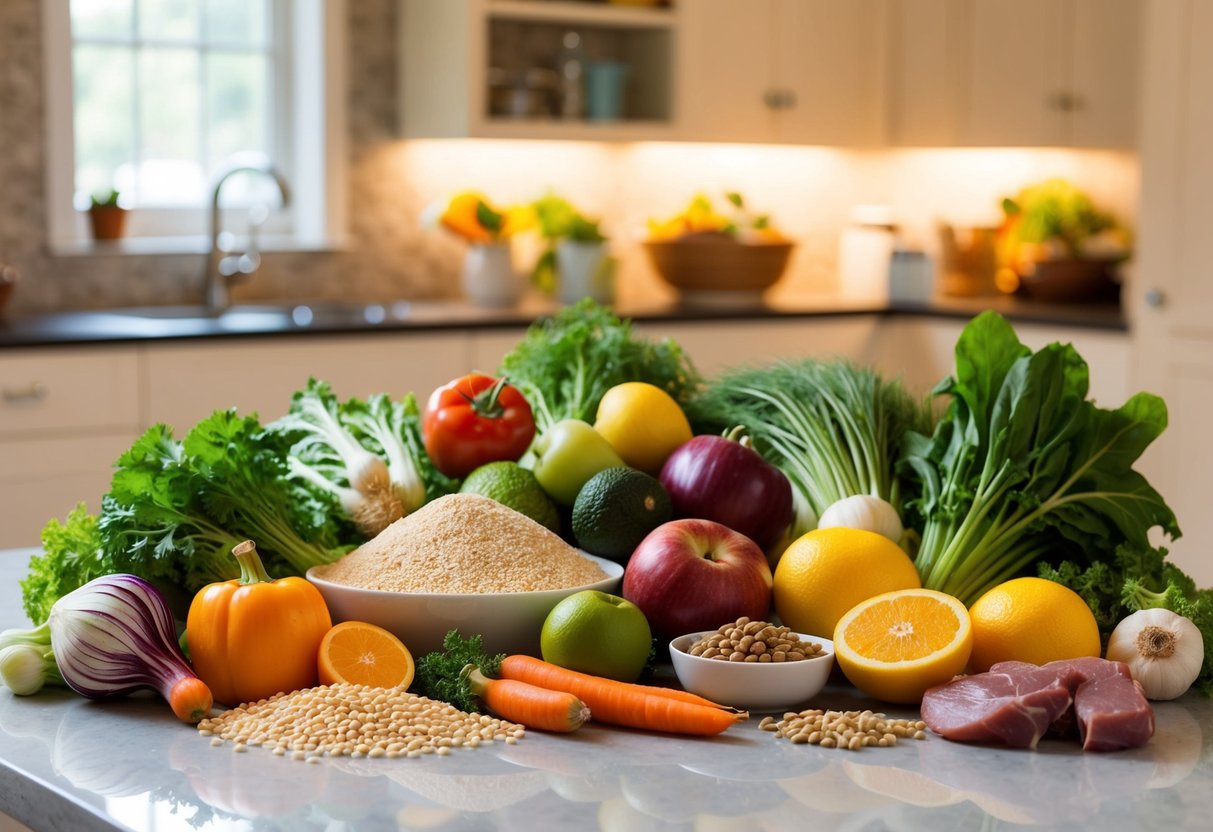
(115, 635)
(723, 479)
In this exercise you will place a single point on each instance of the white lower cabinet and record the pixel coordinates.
(716, 345)
(187, 382)
(68, 414)
(921, 352)
(65, 416)
(46, 477)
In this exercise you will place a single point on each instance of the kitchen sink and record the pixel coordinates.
(252, 317)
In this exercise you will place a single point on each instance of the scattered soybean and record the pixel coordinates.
(844, 729)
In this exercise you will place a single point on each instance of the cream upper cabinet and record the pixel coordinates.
(786, 71)
(1014, 72)
(1171, 297)
(488, 69)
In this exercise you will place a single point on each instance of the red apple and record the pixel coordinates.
(691, 575)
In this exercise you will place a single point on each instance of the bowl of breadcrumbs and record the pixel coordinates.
(462, 561)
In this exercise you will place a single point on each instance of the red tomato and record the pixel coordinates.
(473, 420)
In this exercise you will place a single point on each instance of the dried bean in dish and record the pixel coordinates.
(744, 640)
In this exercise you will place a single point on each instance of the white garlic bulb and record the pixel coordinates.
(1164, 651)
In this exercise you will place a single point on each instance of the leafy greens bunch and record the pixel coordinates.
(834, 429)
(566, 363)
(1024, 469)
(176, 508)
(1139, 579)
(366, 460)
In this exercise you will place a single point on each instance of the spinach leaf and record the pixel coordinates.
(1023, 468)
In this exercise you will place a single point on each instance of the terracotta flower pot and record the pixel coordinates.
(107, 221)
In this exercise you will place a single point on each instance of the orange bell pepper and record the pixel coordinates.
(254, 636)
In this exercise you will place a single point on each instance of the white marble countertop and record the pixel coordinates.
(70, 764)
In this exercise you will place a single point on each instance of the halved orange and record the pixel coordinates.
(364, 654)
(896, 645)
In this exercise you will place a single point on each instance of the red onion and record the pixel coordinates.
(115, 635)
(723, 479)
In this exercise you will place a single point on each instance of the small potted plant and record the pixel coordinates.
(575, 263)
(489, 276)
(106, 215)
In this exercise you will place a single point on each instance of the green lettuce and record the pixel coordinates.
(565, 364)
(1024, 469)
(176, 508)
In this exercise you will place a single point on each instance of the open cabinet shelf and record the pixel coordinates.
(490, 69)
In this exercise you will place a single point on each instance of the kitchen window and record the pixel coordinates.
(154, 98)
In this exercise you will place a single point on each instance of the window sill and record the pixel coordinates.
(197, 244)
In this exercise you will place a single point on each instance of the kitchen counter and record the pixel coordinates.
(295, 318)
(70, 764)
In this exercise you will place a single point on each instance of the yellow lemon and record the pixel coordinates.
(827, 571)
(643, 423)
(1031, 620)
(895, 645)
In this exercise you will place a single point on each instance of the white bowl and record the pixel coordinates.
(752, 686)
(510, 622)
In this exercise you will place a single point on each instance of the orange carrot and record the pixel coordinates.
(534, 707)
(538, 672)
(621, 703)
(190, 699)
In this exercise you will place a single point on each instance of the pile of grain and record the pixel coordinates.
(464, 543)
(356, 721)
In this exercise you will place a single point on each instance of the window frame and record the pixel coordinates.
(309, 144)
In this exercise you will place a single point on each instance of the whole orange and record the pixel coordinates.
(1031, 620)
(826, 572)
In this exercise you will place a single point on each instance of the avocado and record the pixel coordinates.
(616, 509)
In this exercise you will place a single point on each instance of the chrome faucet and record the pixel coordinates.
(224, 267)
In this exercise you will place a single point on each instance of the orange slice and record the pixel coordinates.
(896, 645)
(363, 654)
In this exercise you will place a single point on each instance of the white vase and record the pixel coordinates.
(489, 276)
(584, 270)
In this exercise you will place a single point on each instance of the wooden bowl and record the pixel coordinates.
(1067, 281)
(719, 263)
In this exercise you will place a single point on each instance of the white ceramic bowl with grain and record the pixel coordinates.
(509, 622)
(752, 686)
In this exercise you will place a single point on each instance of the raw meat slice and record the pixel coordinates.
(1090, 668)
(1015, 706)
(1113, 713)
(1017, 702)
(1078, 671)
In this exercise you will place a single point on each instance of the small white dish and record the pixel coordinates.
(752, 686)
(509, 622)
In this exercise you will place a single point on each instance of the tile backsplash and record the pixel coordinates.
(808, 190)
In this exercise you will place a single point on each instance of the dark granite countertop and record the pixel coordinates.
(302, 318)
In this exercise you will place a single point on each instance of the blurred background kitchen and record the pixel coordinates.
(880, 137)
(374, 109)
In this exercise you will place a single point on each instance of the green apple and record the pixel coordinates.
(568, 455)
(597, 633)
